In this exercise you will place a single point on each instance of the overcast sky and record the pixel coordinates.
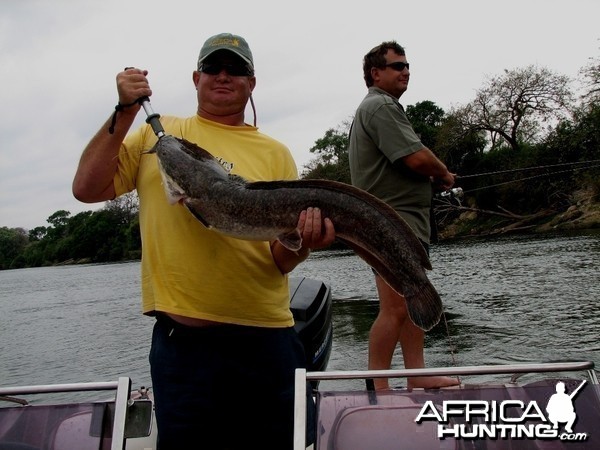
(59, 59)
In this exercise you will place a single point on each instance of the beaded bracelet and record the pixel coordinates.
(119, 107)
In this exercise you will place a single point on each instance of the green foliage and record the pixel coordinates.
(577, 139)
(460, 148)
(333, 145)
(426, 118)
(37, 233)
(568, 160)
(332, 160)
(110, 234)
(12, 243)
(340, 171)
(523, 179)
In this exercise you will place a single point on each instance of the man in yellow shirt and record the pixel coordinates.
(223, 349)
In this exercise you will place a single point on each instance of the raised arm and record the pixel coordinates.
(93, 181)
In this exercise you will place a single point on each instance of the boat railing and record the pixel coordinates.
(122, 386)
(302, 377)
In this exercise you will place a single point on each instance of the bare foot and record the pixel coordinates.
(381, 384)
(431, 382)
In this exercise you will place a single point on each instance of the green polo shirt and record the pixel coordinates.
(381, 135)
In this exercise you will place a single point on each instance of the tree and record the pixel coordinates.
(12, 243)
(511, 108)
(37, 233)
(125, 206)
(591, 77)
(577, 140)
(459, 147)
(58, 221)
(426, 118)
(332, 160)
(334, 144)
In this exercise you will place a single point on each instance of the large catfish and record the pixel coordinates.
(269, 210)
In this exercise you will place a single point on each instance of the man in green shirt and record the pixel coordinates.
(388, 160)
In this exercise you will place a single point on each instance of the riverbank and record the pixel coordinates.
(582, 214)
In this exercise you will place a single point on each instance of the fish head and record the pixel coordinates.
(173, 191)
(186, 169)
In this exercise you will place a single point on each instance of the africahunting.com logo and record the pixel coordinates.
(507, 419)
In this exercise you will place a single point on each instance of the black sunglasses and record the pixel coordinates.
(398, 65)
(235, 70)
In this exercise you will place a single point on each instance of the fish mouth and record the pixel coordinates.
(174, 192)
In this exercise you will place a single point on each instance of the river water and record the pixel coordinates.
(507, 300)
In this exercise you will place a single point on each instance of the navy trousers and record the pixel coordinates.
(226, 386)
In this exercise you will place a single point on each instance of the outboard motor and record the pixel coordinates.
(311, 307)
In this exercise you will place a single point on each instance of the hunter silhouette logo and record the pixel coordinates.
(560, 407)
(512, 418)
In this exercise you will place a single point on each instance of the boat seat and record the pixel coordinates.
(53, 427)
(378, 427)
(76, 433)
(349, 421)
(8, 417)
(16, 446)
(71, 426)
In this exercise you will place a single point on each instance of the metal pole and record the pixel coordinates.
(300, 410)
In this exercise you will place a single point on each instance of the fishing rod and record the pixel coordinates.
(574, 393)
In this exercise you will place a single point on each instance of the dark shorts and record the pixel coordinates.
(225, 386)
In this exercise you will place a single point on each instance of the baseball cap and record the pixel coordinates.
(226, 41)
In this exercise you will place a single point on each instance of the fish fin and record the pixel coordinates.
(363, 253)
(422, 300)
(292, 240)
(424, 306)
(237, 179)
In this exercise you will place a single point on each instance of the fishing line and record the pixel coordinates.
(451, 346)
(529, 178)
(529, 168)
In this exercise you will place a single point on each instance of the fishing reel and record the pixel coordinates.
(456, 193)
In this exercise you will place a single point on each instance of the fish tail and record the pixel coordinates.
(424, 306)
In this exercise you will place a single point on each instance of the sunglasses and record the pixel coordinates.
(235, 70)
(398, 65)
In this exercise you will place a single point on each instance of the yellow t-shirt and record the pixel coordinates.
(188, 269)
